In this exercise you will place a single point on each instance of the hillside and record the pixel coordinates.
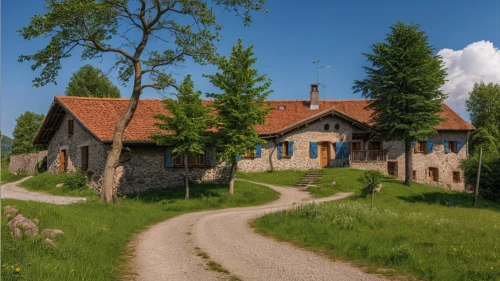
(6, 145)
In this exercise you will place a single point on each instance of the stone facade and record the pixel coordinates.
(28, 162)
(446, 163)
(140, 167)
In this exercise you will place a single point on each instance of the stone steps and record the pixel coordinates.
(308, 179)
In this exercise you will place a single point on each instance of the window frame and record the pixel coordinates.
(436, 174)
(284, 149)
(250, 154)
(71, 127)
(420, 144)
(179, 161)
(452, 146)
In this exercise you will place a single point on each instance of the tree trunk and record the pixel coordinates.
(108, 193)
(231, 178)
(186, 174)
(408, 162)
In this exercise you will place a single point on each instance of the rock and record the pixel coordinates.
(17, 232)
(334, 183)
(10, 211)
(52, 233)
(59, 185)
(49, 242)
(30, 228)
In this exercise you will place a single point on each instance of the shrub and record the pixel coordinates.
(22, 173)
(370, 179)
(76, 180)
(489, 182)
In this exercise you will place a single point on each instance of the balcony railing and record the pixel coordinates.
(368, 156)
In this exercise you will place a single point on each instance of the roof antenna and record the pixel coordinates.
(318, 68)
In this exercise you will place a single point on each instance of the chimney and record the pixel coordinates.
(314, 103)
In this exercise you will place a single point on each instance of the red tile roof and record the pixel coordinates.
(99, 115)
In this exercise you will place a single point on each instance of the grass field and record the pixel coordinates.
(96, 234)
(410, 231)
(7, 176)
(283, 178)
(47, 183)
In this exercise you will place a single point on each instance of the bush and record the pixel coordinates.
(22, 173)
(370, 179)
(76, 180)
(489, 183)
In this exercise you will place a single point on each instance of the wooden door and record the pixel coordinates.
(324, 154)
(392, 168)
(432, 174)
(62, 159)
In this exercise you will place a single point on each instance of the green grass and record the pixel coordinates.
(282, 178)
(7, 176)
(96, 235)
(410, 230)
(47, 182)
(217, 267)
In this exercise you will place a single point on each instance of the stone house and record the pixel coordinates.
(299, 135)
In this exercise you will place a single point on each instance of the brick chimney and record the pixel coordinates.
(314, 103)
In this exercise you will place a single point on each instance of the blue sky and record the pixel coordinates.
(287, 40)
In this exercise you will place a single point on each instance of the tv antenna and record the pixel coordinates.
(318, 68)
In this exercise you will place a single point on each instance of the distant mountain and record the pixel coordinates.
(6, 145)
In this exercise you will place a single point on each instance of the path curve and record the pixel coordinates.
(166, 251)
(13, 191)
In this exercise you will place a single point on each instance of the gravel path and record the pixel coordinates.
(166, 251)
(11, 190)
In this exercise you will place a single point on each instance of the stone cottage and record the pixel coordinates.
(299, 135)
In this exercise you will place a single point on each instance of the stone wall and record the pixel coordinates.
(73, 144)
(28, 162)
(302, 137)
(143, 167)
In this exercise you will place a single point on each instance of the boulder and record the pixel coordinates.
(30, 228)
(59, 185)
(10, 211)
(52, 233)
(49, 242)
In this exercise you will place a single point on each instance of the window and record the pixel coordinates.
(250, 153)
(192, 160)
(433, 174)
(456, 177)
(421, 147)
(355, 146)
(337, 126)
(286, 152)
(71, 125)
(452, 146)
(374, 145)
(85, 158)
(414, 175)
(326, 127)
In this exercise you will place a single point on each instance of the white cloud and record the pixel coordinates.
(480, 61)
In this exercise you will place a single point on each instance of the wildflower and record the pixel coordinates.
(18, 269)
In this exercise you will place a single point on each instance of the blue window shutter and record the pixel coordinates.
(459, 145)
(239, 158)
(290, 148)
(430, 146)
(280, 150)
(258, 150)
(345, 149)
(313, 150)
(413, 143)
(169, 160)
(445, 146)
(338, 150)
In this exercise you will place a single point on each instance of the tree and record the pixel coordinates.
(403, 85)
(124, 28)
(27, 125)
(89, 81)
(484, 108)
(240, 106)
(186, 127)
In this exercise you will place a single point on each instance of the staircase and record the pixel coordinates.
(308, 179)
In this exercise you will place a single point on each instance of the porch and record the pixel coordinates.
(367, 156)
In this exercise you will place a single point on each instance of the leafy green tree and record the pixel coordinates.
(124, 28)
(27, 125)
(403, 85)
(89, 81)
(484, 108)
(6, 145)
(186, 127)
(240, 106)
